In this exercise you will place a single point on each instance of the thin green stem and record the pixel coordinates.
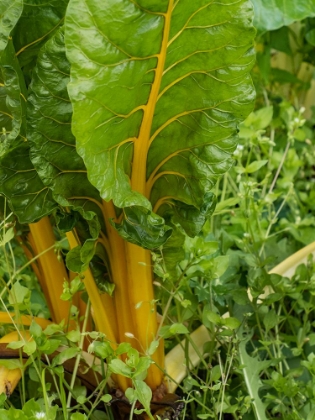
(78, 358)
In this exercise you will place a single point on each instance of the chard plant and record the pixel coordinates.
(117, 119)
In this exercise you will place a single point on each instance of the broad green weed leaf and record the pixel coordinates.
(142, 367)
(223, 205)
(12, 364)
(157, 95)
(16, 344)
(18, 293)
(270, 320)
(66, 354)
(170, 330)
(219, 265)
(35, 329)
(12, 414)
(232, 323)
(106, 398)
(144, 394)
(7, 237)
(74, 336)
(212, 317)
(259, 119)
(30, 347)
(119, 367)
(78, 416)
(255, 166)
(216, 373)
(153, 346)
(101, 349)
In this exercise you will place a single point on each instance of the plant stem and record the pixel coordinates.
(143, 307)
(279, 167)
(78, 358)
(55, 273)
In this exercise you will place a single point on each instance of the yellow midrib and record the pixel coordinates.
(142, 143)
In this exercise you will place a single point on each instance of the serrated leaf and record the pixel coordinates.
(252, 368)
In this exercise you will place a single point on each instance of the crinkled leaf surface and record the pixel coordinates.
(19, 181)
(272, 14)
(12, 99)
(10, 11)
(53, 150)
(38, 22)
(143, 228)
(34, 25)
(157, 93)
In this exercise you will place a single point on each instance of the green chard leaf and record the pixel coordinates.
(54, 155)
(38, 22)
(271, 15)
(30, 25)
(19, 182)
(49, 130)
(10, 12)
(157, 96)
